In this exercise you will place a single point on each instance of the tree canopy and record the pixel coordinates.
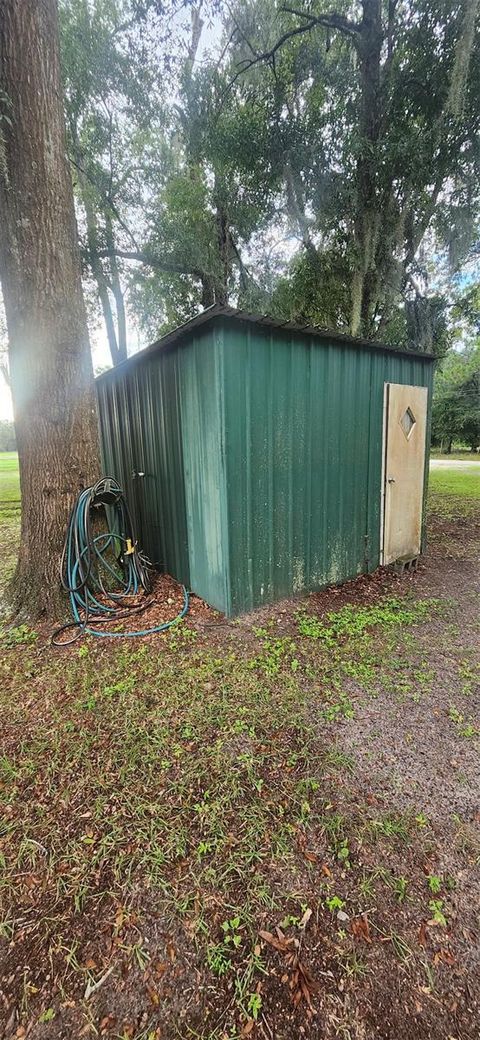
(456, 403)
(315, 163)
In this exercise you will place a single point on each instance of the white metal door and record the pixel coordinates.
(404, 469)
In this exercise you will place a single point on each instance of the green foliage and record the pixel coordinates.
(254, 1006)
(456, 400)
(261, 181)
(47, 1016)
(334, 903)
(7, 436)
(436, 908)
(353, 620)
(18, 635)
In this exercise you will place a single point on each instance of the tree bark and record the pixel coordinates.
(50, 365)
(97, 270)
(223, 246)
(368, 219)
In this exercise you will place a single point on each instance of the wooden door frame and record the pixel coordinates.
(383, 491)
(386, 390)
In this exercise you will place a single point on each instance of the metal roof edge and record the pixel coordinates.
(265, 321)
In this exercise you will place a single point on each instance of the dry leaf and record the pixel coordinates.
(119, 918)
(444, 956)
(360, 928)
(305, 919)
(282, 943)
(422, 934)
(106, 1022)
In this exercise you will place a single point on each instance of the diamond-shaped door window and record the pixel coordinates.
(407, 422)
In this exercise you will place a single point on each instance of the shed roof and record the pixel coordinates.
(262, 321)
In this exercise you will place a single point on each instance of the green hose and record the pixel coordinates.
(94, 564)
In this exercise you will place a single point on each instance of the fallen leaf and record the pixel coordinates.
(153, 995)
(119, 918)
(422, 934)
(305, 919)
(107, 1022)
(360, 928)
(282, 943)
(444, 956)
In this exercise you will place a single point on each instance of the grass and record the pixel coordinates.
(9, 482)
(9, 514)
(199, 779)
(192, 795)
(459, 455)
(453, 492)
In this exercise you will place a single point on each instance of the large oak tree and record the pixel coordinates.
(49, 356)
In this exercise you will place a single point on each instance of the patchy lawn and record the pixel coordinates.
(462, 454)
(9, 481)
(265, 828)
(454, 492)
(9, 515)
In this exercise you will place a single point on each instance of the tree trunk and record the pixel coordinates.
(117, 292)
(208, 292)
(97, 270)
(368, 218)
(223, 246)
(50, 365)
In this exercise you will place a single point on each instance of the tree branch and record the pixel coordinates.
(106, 198)
(332, 20)
(267, 56)
(151, 260)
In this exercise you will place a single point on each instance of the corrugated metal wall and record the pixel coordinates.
(140, 424)
(262, 454)
(163, 417)
(303, 432)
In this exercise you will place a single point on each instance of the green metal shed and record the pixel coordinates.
(264, 459)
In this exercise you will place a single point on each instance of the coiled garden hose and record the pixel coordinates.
(102, 572)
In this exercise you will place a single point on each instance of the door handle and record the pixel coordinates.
(391, 480)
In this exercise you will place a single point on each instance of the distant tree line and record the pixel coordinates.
(456, 401)
(7, 436)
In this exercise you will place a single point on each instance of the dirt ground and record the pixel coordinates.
(265, 828)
